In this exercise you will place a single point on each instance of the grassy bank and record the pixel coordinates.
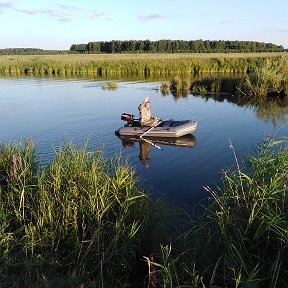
(84, 221)
(105, 64)
(81, 220)
(241, 241)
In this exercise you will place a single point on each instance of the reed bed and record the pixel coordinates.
(80, 221)
(241, 240)
(269, 78)
(250, 215)
(146, 64)
(110, 86)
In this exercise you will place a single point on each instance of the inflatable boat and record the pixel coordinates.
(166, 128)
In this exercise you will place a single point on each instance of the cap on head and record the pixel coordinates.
(146, 100)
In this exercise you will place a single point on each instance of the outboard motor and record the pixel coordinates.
(127, 117)
(131, 121)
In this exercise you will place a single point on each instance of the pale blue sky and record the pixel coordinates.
(57, 24)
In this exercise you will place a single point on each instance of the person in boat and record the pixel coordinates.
(145, 115)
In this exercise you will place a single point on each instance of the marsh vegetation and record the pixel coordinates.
(270, 78)
(80, 219)
(241, 239)
(84, 220)
(110, 86)
(141, 64)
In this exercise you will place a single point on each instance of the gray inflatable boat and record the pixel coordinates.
(166, 128)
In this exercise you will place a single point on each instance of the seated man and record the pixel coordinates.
(145, 115)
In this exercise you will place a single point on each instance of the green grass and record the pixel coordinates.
(110, 86)
(141, 64)
(83, 220)
(250, 215)
(269, 79)
(241, 240)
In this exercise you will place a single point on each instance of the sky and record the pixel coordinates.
(57, 24)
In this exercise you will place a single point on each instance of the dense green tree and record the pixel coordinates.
(139, 46)
(93, 47)
(117, 46)
(36, 51)
(159, 46)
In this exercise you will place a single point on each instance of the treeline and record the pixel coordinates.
(159, 46)
(31, 51)
(175, 46)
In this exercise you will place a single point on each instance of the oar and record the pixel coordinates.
(150, 142)
(150, 129)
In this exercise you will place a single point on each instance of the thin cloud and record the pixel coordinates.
(68, 7)
(8, 4)
(58, 15)
(283, 30)
(62, 12)
(153, 16)
(96, 14)
(85, 12)
(27, 11)
(61, 17)
(225, 22)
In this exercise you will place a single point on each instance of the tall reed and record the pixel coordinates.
(82, 218)
(267, 79)
(241, 240)
(143, 64)
(249, 212)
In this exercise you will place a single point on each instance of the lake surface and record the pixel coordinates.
(52, 111)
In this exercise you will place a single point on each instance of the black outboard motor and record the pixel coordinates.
(131, 121)
(127, 117)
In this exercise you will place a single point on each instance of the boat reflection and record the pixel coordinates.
(145, 144)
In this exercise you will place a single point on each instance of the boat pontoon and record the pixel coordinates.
(166, 128)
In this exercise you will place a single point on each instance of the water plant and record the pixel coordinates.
(267, 79)
(141, 64)
(83, 220)
(80, 220)
(176, 83)
(165, 88)
(249, 213)
(241, 240)
(180, 86)
(110, 86)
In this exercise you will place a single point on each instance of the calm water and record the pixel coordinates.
(53, 110)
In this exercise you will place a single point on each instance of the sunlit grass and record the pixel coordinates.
(82, 218)
(110, 86)
(135, 56)
(241, 240)
(146, 64)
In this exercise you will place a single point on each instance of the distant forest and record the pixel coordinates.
(159, 46)
(31, 51)
(175, 46)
